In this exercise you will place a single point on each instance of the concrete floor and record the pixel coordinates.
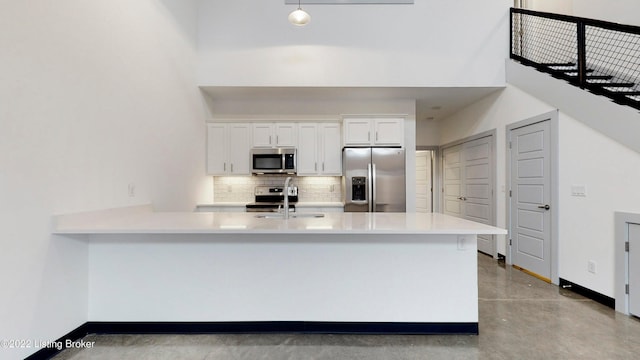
(521, 317)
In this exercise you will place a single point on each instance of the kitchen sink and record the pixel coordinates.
(292, 215)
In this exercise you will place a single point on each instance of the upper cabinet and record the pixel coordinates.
(373, 131)
(319, 149)
(274, 134)
(228, 146)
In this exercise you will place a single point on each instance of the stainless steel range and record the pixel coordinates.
(271, 199)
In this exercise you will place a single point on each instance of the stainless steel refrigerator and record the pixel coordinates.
(374, 179)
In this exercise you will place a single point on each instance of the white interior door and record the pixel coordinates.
(452, 181)
(477, 188)
(634, 269)
(468, 178)
(423, 181)
(531, 207)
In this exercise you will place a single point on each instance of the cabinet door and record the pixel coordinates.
(263, 135)
(216, 149)
(330, 149)
(285, 134)
(388, 132)
(357, 132)
(307, 149)
(239, 138)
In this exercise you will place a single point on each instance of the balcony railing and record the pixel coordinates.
(598, 56)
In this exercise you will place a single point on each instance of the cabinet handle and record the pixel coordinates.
(232, 167)
(277, 140)
(369, 136)
(224, 167)
(315, 167)
(323, 166)
(376, 136)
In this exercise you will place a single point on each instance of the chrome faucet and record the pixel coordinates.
(286, 197)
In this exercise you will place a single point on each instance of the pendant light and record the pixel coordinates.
(299, 17)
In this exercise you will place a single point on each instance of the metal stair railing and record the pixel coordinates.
(599, 56)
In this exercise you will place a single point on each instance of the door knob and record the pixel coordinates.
(546, 207)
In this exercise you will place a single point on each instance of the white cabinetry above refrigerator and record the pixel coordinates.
(373, 131)
(228, 146)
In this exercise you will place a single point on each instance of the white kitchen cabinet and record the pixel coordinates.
(373, 131)
(228, 146)
(274, 134)
(330, 148)
(357, 132)
(308, 149)
(319, 149)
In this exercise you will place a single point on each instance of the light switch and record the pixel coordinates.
(579, 190)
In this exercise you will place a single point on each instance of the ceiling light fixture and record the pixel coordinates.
(299, 17)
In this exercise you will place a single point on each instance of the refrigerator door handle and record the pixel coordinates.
(373, 188)
(370, 186)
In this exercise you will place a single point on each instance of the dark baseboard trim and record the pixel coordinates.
(257, 327)
(281, 327)
(588, 293)
(48, 352)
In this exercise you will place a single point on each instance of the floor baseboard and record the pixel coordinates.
(588, 293)
(57, 346)
(257, 327)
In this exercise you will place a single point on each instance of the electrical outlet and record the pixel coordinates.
(591, 266)
(461, 242)
(131, 190)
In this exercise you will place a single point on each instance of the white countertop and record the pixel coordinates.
(141, 220)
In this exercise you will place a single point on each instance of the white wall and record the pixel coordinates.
(553, 6)
(611, 173)
(620, 11)
(94, 96)
(586, 157)
(430, 43)
(427, 133)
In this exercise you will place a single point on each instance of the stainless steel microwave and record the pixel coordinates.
(273, 160)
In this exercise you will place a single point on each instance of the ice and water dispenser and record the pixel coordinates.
(358, 188)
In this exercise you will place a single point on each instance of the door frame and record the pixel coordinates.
(622, 222)
(435, 175)
(553, 117)
(494, 173)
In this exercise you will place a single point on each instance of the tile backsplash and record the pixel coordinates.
(310, 188)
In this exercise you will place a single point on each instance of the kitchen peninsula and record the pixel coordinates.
(344, 272)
